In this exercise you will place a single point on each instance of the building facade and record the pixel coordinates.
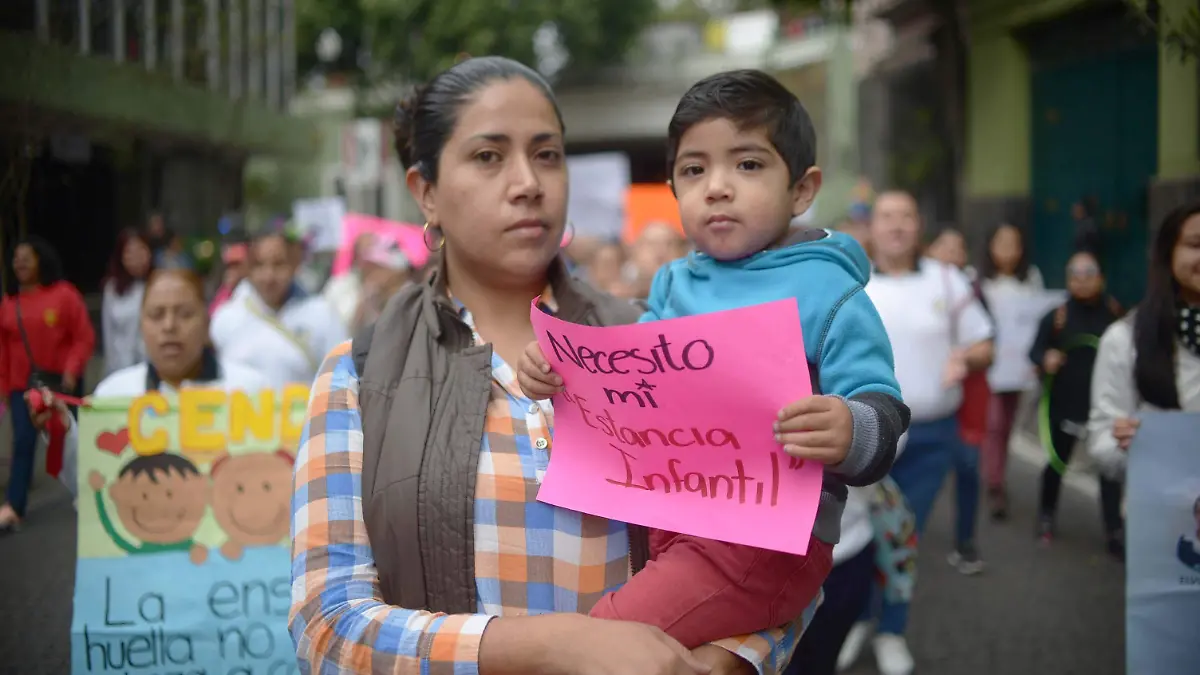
(1074, 100)
(112, 109)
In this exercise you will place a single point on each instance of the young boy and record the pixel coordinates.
(742, 161)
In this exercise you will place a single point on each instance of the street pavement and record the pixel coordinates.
(1033, 611)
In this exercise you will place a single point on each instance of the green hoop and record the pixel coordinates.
(1078, 342)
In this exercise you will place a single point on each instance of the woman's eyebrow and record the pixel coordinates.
(502, 138)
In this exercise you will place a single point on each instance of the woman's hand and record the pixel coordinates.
(956, 369)
(1124, 429)
(536, 378)
(50, 405)
(574, 644)
(1053, 360)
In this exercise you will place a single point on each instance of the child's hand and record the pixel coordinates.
(818, 428)
(534, 375)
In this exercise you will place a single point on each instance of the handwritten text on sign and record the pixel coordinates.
(668, 424)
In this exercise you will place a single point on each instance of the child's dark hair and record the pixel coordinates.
(425, 118)
(750, 99)
(162, 463)
(987, 266)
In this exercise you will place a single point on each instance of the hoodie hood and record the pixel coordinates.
(803, 245)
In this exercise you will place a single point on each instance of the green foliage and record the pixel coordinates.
(1178, 30)
(417, 38)
(313, 16)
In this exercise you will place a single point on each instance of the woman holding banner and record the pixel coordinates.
(419, 546)
(1150, 360)
(174, 327)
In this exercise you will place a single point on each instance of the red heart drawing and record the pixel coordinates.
(113, 443)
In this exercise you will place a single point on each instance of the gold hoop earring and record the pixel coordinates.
(568, 238)
(425, 238)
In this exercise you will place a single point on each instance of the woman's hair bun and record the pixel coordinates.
(403, 123)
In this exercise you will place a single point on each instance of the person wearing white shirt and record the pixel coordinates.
(939, 333)
(1150, 360)
(271, 324)
(122, 306)
(1005, 271)
(174, 327)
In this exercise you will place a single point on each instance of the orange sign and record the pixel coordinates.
(647, 203)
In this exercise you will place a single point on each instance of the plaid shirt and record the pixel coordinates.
(530, 557)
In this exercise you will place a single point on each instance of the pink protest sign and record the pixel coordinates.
(407, 237)
(668, 424)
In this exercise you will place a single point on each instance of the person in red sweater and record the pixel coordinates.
(44, 331)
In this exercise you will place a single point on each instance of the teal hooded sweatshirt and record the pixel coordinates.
(845, 342)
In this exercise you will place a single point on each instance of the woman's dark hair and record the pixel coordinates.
(1154, 324)
(50, 269)
(987, 266)
(120, 277)
(426, 117)
(188, 277)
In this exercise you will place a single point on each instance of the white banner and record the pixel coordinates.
(362, 152)
(321, 221)
(598, 183)
(1162, 588)
(1016, 314)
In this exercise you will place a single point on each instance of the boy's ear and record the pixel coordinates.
(804, 192)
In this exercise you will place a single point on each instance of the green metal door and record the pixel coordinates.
(1095, 133)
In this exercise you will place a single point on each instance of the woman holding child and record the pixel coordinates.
(419, 544)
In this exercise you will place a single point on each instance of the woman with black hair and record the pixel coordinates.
(1005, 271)
(419, 545)
(1065, 351)
(46, 339)
(131, 264)
(1151, 359)
(173, 326)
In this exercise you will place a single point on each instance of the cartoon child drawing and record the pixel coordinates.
(160, 499)
(1188, 548)
(252, 499)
